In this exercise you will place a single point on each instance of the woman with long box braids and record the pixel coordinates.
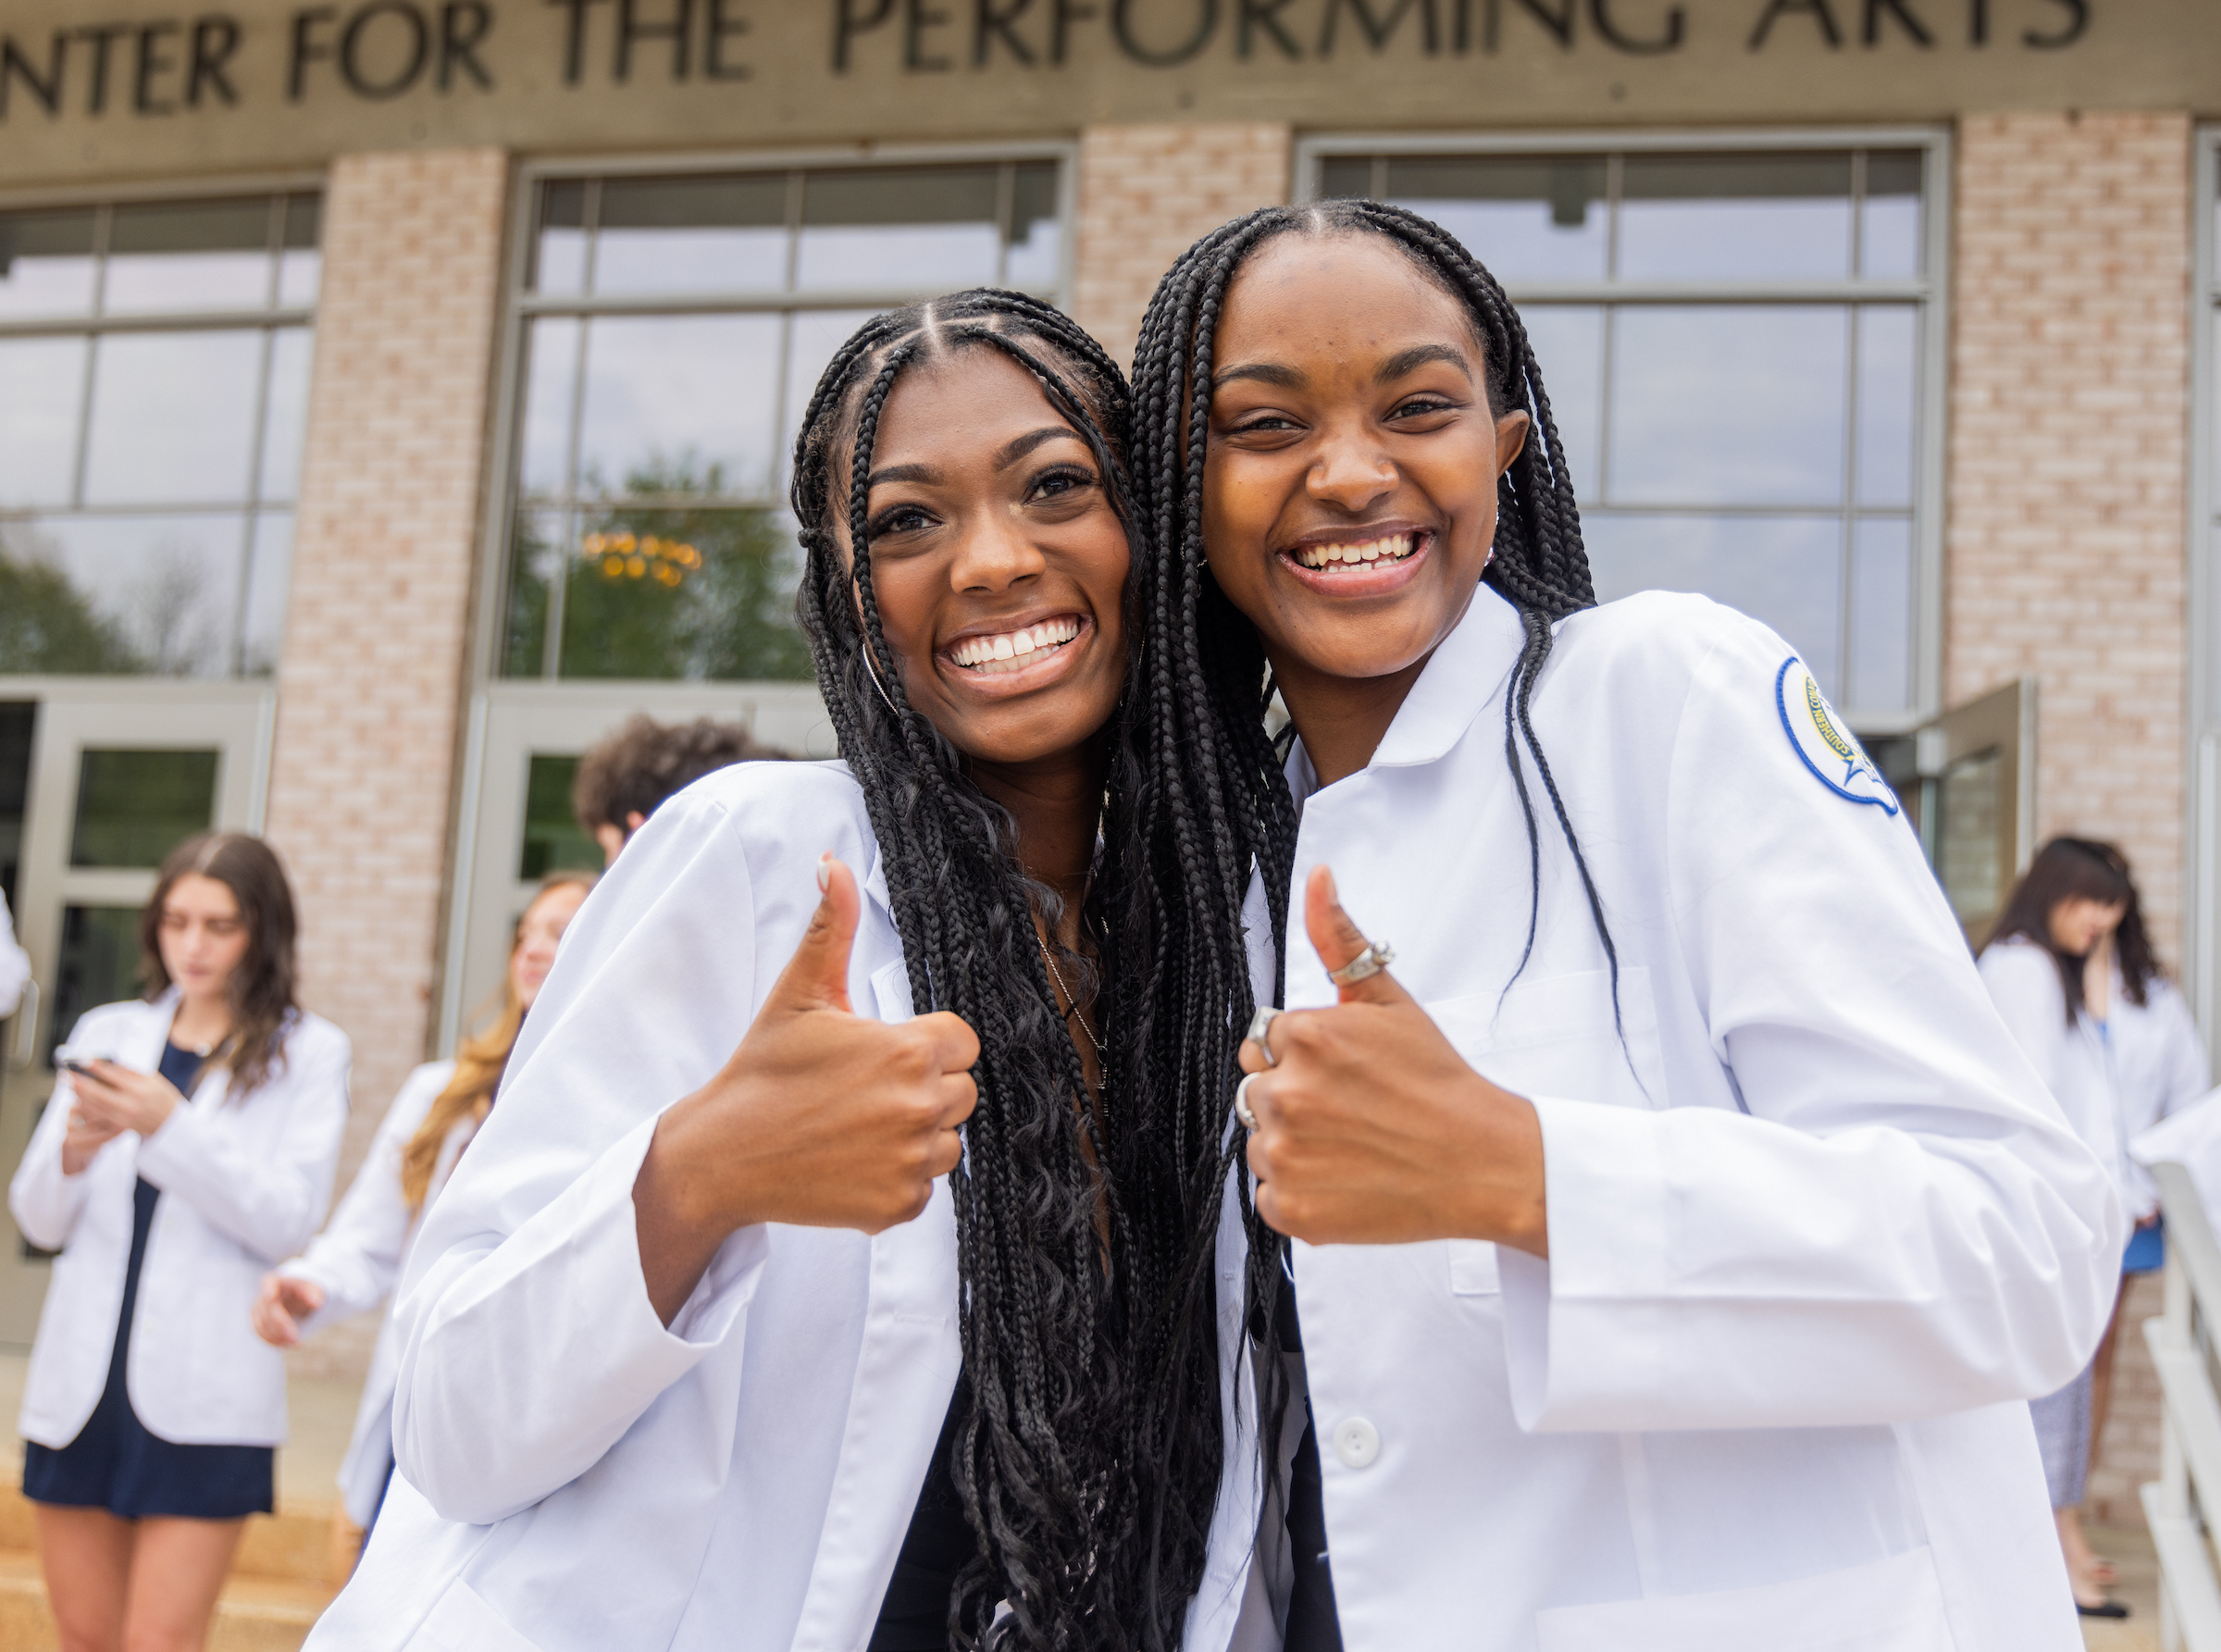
(1675, 1229)
(853, 1260)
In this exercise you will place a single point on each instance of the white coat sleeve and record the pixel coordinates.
(529, 1343)
(45, 1202)
(270, 1202)
(357, 1257)
(1896, 1223)
(15, 965)
(2186, 1075)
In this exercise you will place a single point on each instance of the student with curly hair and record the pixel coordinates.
(627, 777)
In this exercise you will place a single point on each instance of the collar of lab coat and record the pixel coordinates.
(874, 882)
(1467, 671)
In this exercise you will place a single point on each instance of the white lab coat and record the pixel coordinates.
(1816, 1232)
(15, 965)
(244, 1182)
(2159, 1068)
(2070, 1057)
(572, 1475)
(357, 1259)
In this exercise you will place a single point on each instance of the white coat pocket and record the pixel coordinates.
(461, 1621)
(1888, 1605)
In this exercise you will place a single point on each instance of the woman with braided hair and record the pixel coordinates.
(853, 1260)
(1675, 1229)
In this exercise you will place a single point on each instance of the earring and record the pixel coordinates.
(874, 672)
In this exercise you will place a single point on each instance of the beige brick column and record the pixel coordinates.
(1146, 193)
(370, 681)
(2069, 464)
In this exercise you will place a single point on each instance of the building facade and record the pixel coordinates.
(395, 394)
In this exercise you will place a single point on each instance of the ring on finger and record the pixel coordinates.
(1242, 1109)
(1260, 1026)
(1377, 956)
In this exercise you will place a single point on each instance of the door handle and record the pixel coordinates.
(26, 1027)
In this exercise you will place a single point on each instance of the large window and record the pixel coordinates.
(671, 328)
(1738, 345)
(153, 384)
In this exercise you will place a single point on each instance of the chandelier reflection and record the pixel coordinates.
(627, 555)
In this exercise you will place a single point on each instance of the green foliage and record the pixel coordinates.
(48, 627)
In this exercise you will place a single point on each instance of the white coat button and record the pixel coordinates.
(1356, 1443)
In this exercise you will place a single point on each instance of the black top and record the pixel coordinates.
(914, 1616)
(1312, 1623)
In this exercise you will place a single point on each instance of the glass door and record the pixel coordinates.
(99, 779)
(1972, 799)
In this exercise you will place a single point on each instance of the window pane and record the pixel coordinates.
(1889, 229)
(285, 421)
(1782, 570)
(544, 419)
(153, 595)
(1887, 352)
(679, 404)
(552, 841)
(1568, 342)
(684, 594)
(1735, 217)
(1346, 177)
(269, 572)
(188, 255)
(45, 263)
(300, 263)
(99, 964)
(1526, 219)
(928, 228)
(173, 417)
(1881, 615)
(1728, 405)
(134, 807)
(559, 253)
(42, 389)
(535, 558)
(817, 334)
(1036, 259)
(692, 234)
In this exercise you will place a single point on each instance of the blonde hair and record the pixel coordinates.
(480, 1063)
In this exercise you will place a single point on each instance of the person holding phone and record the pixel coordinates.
(352, 1266)
(1677, 1232)
(191, 1142)
(852, 1260)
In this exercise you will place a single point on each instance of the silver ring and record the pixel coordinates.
(1241, 1100)
(1259, 1025)
(1377, 956)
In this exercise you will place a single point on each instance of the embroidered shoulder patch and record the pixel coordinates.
(1828, 749)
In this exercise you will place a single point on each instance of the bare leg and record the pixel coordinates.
(176, 1575)
(86, 1554)
(2098, 1570)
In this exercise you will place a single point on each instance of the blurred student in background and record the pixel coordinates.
(626, 778)
(352, 1265)
(2061, 969)
(190, 1143)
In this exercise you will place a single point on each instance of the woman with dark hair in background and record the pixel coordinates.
(190, 1143)
(722, 1337)
(353, 1264)
(2075, 976)
(1678, 1234)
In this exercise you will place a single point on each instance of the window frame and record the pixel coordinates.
(2201, 752)
(96, 323)
(1928, 291)
(521, 306)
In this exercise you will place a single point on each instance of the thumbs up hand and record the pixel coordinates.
(1372, 1130)
(821, 1119)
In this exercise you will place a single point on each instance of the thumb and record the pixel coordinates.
(300, 1298)
(816, 978)
(1337, 940)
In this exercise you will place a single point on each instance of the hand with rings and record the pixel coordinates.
(1365, 1126)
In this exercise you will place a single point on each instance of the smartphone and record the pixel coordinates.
(67, 1060)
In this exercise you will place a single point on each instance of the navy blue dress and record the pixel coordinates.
(115, 1463)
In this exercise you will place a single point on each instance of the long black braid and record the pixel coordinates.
(1087, 1457)
(1208, 651)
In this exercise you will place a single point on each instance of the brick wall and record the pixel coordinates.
(1146, 193)
(370, 679)
(2068, 464)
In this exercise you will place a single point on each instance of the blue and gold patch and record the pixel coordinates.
(1829, 750)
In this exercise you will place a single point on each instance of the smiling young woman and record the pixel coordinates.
(842, 1265)
(1671, 1223)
